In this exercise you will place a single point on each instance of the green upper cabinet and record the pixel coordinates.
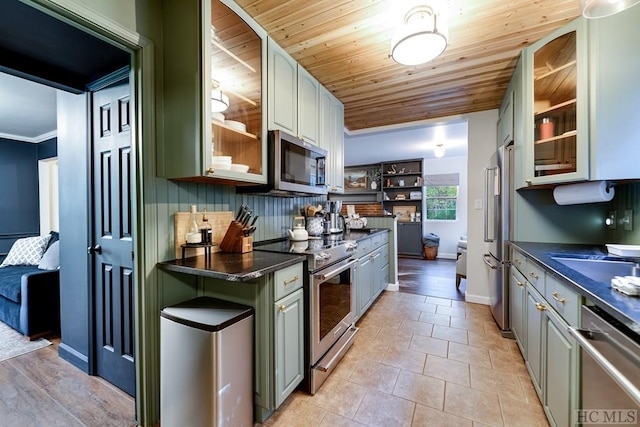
(213, 93)
(293, 96)
(556, 143)
(331, 138)
(282, 87)
(505, 119)
(614, 67)
(308, 106)
(301, 106)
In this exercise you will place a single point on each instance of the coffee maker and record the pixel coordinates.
(336, 220)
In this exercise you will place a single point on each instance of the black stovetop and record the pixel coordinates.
(311, 246)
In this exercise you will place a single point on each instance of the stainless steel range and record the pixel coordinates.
(329, 299)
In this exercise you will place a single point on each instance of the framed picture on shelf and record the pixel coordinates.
(355, 180)
(403, 213)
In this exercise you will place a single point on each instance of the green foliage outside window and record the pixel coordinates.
(442, 202)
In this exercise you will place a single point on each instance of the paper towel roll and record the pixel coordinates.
(587, 192)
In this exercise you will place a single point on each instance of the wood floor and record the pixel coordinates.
(434, 278)
(41, 389)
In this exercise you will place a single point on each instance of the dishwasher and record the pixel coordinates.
(610, 368)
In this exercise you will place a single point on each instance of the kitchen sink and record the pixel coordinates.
(600, 270)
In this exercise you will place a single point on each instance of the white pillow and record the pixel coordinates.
(51, 258)
(26, 251)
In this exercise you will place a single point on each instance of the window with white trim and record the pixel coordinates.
(442, 196)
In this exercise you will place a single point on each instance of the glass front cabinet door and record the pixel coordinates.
(556, 139)
(214, 93)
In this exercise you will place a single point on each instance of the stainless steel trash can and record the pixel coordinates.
(206, 364)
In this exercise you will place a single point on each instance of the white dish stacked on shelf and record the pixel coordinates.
(236, 125)
(221, 162)
(217, 117)
(239, 168)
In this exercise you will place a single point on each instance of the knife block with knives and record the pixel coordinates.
(238, 237)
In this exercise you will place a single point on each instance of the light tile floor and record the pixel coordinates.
(422, 361)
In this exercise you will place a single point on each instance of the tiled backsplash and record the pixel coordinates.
(627, 197)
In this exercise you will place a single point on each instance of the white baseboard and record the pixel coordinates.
(447, 256)
(393, 287)
(477, 299)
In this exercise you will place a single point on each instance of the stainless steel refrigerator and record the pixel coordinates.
(498, 181)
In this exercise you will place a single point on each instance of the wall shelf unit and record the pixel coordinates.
(398, 190)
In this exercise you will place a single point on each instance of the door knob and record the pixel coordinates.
(97, 249)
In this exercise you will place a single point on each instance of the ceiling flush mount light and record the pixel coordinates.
(422, 37)
(219, 101)
(438, 152)
(600, 8)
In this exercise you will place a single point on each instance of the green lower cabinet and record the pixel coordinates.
(381, 269)
(384, 275)
(364, 279)
(561, 362)
(371, 274)
(534, 317)
(289, 326)
(278, 334)
(517, 296)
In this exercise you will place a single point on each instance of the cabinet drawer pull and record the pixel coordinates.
(528, 181)
(534, 275)
(295, 279)
(540, 307)
(519, 283)
(560, 300)
(518, 262)
(210, 170)
(282, 308)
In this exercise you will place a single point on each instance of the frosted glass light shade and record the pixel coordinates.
(438, 152)
(219, 101)
(421, 39)
(600, 8)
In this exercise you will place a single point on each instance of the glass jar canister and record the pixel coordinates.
(193, 230)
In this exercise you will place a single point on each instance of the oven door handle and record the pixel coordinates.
(581, 336)
(325, 276)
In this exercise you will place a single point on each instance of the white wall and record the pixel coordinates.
(482, 144)
(417, 140)
(450, 231)
(48, 182)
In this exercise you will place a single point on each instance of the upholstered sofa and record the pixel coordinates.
(30, 294)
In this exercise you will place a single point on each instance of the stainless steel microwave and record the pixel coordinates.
(296, 167)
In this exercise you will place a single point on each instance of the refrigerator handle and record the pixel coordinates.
(487, 199)
(487, 260)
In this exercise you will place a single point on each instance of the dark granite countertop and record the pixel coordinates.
(233, 267)
(623, 308)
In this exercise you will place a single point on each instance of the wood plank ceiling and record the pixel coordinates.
(345, 44)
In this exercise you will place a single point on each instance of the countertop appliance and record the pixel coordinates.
(610, 364)
(498, 184)
(329, 298)
(335, 218)
(296, 167)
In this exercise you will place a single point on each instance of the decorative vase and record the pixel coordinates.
(374, 185)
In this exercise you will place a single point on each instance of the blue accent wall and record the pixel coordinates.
(19, 201)
(48, 149)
